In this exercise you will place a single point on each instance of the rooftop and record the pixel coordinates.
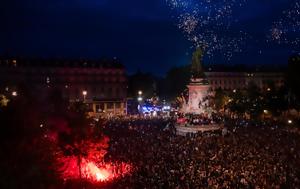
(52, 63)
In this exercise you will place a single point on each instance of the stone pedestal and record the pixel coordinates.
(198, 91)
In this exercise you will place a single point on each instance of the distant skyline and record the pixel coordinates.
(142, 34)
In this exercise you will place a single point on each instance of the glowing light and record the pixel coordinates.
(140, 92)
(91, 171)
(95, 173)
(84, 93)
(3, 100)
(290, 121)
(14, 93)
(140, 99)
(167, 107)
(14, 62)
(91, 167)
(155, 113)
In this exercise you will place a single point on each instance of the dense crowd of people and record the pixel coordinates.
(249, 156)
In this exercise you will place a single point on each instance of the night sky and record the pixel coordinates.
(143, 34)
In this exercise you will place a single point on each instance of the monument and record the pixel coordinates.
(198, 87)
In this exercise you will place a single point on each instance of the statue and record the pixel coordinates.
(197, 70)
(198, 87)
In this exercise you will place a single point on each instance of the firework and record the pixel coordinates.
(206, 23)
(286, 30)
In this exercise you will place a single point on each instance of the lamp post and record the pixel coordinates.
(84, 93)
(140, 100)
(140, 97)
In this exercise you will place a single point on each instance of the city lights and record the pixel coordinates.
(14, 93)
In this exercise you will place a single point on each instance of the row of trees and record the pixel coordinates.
(252, 101)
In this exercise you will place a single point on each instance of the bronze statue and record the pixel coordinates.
(197, 70)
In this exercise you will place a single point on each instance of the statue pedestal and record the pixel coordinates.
(198, 91)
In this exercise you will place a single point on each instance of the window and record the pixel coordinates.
(100, 107)
(118, 105)
(110, 105)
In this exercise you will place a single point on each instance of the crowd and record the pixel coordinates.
(202, 119)
(250, 156)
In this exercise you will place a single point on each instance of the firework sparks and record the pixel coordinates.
(286, 29)
(206, 22)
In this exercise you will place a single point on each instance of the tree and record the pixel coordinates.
(220, 99)
(26, 155)
(175, 82)
(238, 102)
(145, 82)
(293, 80)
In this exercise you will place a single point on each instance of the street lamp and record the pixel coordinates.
(14, 93)
(84, 93)
(290, 121)
(140, 92)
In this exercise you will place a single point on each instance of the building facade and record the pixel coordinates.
(241, 80)
(101, 84)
